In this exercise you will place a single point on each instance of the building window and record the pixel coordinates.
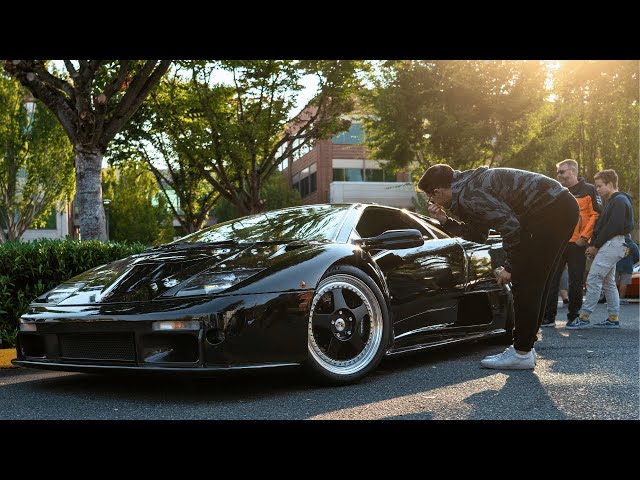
(280, 154)
(304, 148)
(295, 182)
(354, 136)
(361, 175)
(313, 183)
(374, 175)
(306, 181)
(51, 222)
(348, 175)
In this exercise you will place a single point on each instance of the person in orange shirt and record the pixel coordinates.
(574, 252)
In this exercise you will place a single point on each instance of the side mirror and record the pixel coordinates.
(393, 240)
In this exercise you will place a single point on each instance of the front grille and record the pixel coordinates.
(107, 346)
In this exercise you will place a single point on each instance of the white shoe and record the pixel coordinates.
(510, 347)
(510, 360)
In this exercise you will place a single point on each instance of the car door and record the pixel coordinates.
(424, 282)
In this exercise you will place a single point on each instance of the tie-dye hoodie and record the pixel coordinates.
(504, 199)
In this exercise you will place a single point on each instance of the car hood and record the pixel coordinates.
(158, 272)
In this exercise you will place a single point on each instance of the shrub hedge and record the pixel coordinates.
(28, 270)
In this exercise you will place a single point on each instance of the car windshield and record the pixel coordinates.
(307, 222)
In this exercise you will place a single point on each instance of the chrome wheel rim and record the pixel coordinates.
(345, 325)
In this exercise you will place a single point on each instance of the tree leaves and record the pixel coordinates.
(36, 161)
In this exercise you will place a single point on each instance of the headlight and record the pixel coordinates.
(27, 326)
(164, 325)
(214, 282)
(59, 293)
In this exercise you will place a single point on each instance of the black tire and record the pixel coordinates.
(348, 328)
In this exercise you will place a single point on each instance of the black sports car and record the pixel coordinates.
(331, 287)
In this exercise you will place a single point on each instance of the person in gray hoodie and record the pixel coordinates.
(607, 247)
(535, 215)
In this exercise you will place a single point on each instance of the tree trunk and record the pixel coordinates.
(89, 193)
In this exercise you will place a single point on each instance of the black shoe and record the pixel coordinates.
(548, 323)
(565, 300)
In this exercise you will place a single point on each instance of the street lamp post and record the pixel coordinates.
(106, 202)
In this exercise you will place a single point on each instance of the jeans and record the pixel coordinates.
(574, 257)
(602, 276)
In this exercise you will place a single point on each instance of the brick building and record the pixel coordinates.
(338, 170)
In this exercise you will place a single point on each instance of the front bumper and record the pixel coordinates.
(236, 332)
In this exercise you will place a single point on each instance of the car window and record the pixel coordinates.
(376, 220)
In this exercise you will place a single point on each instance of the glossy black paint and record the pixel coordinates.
(440, 291)
(393, 240)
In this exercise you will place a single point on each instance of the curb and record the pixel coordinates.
(6, 355)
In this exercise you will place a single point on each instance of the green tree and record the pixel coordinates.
(465, 113)
(189, 196)
(92, 101)
(276, 193)
(594, 120)
(36, 161)
(236, 134)
(137, 212)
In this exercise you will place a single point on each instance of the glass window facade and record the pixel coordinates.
(354, 136)
(306, 181)
(302, 149)
(361, 175)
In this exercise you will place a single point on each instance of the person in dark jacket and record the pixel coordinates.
(574, 252)
(624, 268)
(535, 216)
(607, 247)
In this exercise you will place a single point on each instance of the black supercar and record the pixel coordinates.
(331, 287)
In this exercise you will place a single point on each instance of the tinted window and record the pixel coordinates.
(375, 221)
(317, 222)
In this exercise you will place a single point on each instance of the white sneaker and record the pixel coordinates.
(510, 360)
(510, 347)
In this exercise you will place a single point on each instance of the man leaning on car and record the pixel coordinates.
(535, 216)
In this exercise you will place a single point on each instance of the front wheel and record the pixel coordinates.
(348, 327)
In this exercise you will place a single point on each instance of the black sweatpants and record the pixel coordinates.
(534, 262)
(576, 260)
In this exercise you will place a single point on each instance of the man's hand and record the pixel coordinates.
(436, 212)
(581, 242)
(591, 252)
(503, 277)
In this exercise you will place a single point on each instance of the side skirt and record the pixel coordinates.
(71, 367)
(400, 351)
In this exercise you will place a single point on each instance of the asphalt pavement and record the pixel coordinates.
(580, 375)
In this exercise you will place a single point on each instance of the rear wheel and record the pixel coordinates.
(348, 327)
